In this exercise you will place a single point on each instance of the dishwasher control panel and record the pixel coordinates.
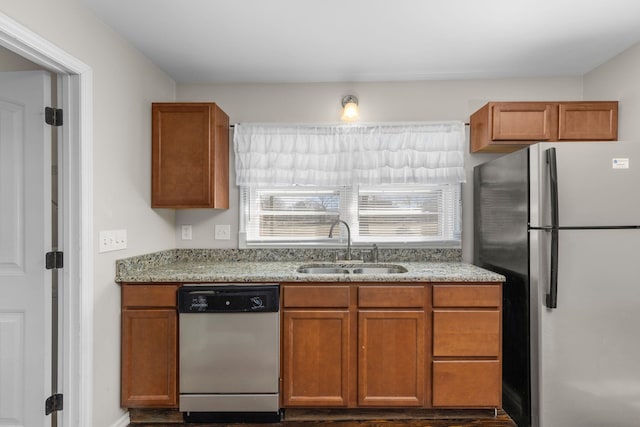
(228, 299)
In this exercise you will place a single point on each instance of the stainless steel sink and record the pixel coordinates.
(323, 270)
(380, 270)
(351, 269)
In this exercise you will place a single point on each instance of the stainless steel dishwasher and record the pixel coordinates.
(229, 352)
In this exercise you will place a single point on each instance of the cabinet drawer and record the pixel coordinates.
(467, 295)
(316, 296)
(149, 295)
(467, 384)
(391, 296)
(466, 333)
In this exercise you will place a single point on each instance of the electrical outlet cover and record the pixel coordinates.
(223, 232)
(187, 232)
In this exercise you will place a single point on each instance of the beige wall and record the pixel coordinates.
(379, 102)
(10, 61)
(619, 79)
(124, 85)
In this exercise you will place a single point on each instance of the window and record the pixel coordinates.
(392, 183)
(282, 215)
(411, 213)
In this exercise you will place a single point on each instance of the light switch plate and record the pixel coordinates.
(112, 240)
(223, 232)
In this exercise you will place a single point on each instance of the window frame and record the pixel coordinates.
(349, 212)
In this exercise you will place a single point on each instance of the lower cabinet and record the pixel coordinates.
(354, 346)
(149, 346)
(467, 349)
(344, 345)
(315, 353)
(391, 358)
(372, 345)
(391, 346)
(315, 346)
(467, 383)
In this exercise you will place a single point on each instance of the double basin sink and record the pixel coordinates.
(351, 269)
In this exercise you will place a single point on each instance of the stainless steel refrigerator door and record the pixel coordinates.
(501, 200)
(501, 244)
(597, 184)
(587, 348)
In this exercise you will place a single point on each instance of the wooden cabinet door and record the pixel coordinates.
(391, 358)
(596, 121)
(524, 121)
(190, 156)
(149, 358)
(315, 358)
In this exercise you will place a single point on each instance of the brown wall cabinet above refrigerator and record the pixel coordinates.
(502, 127)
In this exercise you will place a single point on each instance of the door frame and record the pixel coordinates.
(76, 201)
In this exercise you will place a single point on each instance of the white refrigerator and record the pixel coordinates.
(562, 222)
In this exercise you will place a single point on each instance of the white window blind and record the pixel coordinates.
(409, 214)
(387, 214)
(282, 215)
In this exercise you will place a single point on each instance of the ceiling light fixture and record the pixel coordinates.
(350, 111)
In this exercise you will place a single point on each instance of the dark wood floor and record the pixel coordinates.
(433, 419)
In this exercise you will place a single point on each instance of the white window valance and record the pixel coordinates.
(338, 155)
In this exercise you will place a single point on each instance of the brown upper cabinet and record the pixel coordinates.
(190, 156)
(502, 127)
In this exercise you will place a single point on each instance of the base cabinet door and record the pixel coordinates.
(315, 358)
(149, 362)
(149, 346)
(391, 358)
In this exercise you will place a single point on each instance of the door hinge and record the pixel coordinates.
(53, 403)
(53, 116)
(53, 260)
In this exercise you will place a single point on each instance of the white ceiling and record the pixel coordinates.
(221, 41)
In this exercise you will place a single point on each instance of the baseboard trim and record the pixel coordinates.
(355, 414)
(123, 421)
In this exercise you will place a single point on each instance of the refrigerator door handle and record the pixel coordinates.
(552, 296)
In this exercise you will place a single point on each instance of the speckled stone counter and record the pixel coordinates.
(277, 266)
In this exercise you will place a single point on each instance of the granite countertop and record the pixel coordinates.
(198, 268)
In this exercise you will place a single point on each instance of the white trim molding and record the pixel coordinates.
(76, 316)
(123, 421)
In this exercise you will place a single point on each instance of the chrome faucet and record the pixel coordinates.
(374, 253)
(348, 258)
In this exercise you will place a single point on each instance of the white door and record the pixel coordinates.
(25, 237)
